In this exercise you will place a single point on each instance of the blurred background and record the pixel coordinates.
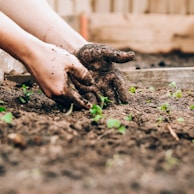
(148, 26)
(145, 26)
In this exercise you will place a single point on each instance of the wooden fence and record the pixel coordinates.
(69, 7)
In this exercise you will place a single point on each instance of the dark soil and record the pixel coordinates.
(45, 150)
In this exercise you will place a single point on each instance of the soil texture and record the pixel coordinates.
(47, 149)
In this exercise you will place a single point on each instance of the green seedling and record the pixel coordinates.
(191, 107)
(172, 84)
(192, 141)
(132, 89)
(2, 109)
(151, 89)
(178, 94)
(96, 112)
(159, 120)
(165, 107)
(180, 119)
(24, 99)
(104, 101)
(115, 123)
(129, 117)
(148, 101)
(8, 118)
(2, 102)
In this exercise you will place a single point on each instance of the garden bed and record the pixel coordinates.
(46, 150)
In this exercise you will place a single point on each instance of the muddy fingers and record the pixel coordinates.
(99, 59)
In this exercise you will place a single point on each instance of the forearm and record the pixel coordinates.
(15, 40)
(38, 18)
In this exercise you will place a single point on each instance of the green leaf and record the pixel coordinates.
(178, 94)
(172, 84)
(122, 129)
(113, 123)
(2, 102)
(97, 118)
(180, 119)
(152, 89)
(2, 109)
(129, 117)
(165, 107)
(192, 107)
(96, 109)
(159, 119)
(192, 140)
(8, 118)
(104, 101)
(132, 89)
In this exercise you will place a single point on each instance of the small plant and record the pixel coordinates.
(96, 112)
(2, 109)
(132, 89)
(148, 101)
(115, 123)
(104, 101)
(180, 119)
(159, 120)
(129, 117)
(191, 107)
(172, 84)
(2, 102)
(178, 94)
(24, 99)
(151, 89)
(165, 107)
(8, 118)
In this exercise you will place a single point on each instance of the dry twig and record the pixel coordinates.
(172, 132)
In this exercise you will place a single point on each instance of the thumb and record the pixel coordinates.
(97, 52)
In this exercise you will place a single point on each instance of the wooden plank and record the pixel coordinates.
(140, 6)
(160, 77)
(178, 7)
(102, 6)
(82, 6)
(190, 6)
(144, 78)
(121, 6)
(158, 6)
(144, 32)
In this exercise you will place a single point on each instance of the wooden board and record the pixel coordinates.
(178, 7)
(140, 6)
(158, 6)
(143, 78)
(82, 6)
(160, 77)
(190, 6)
(149, 33)
(121, 6)
(102, 6)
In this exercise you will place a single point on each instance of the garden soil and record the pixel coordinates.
(46, 149)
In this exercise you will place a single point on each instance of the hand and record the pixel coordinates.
(52, 67)
(99, 60)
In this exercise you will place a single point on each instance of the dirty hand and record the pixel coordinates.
(99, 60)
(54, 72)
